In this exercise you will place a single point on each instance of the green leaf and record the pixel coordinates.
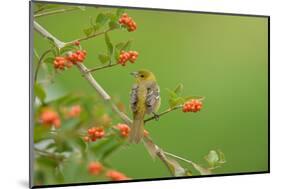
(41, 133)
(88, 31)
(127, 45)
(173, 102)
(171, 93)
(49, 60)
(178, 90)
(108, 44)
(212, 158)
(112, 17)
(104, 58)
(101, 19)
(70, 124)
(96, 27)
(194, 97)
(119, 12)
(221, 157)
(113, 25)
(119, 46)
(39, 92)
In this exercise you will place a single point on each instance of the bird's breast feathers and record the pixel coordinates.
(145, 98)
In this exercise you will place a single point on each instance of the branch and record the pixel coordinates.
(162, 113)
(54, 12)
(59, 44)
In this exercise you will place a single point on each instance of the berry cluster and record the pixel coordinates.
(192, 106)
(62, 62)
(116, 176)
(128, 22)
(77, 56)
(124, 129)
(94, 133)
(49, 117)
(125, 56)
(74, 111)
(95, 168)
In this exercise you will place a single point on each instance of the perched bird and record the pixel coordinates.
(145, 99)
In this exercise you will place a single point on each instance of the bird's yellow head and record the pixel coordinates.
(143, 75)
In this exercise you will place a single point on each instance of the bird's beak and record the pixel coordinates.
(134, 74)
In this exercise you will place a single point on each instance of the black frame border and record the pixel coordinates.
(136, 8)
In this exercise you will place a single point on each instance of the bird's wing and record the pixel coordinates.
(134, 97)
(152, 98)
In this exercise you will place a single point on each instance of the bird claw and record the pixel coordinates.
(156, 116)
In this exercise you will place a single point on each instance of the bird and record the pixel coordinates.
(144, 99)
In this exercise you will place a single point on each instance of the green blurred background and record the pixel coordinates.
(221, 57)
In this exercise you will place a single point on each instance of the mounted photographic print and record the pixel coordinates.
(120, 94)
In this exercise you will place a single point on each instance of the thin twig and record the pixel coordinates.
(162, 113)
(89, 37)
(101, 67)
(39, 64)
(180, 158)
(47, 13)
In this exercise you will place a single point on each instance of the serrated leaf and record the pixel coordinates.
(104, 58)
(212, 158)
(101, 19)
(39, 92)
(88, 31)
(119, 12)
(108, 44)
(194, 97)
(178, 90)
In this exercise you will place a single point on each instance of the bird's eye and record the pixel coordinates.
(142, 75)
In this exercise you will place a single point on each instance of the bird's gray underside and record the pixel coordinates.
(152, 98)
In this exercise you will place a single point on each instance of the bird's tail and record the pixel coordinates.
(137, 131)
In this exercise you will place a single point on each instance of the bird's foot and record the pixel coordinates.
(156, 116)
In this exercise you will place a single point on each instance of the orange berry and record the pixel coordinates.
(95, 168)
(116, 176)
(86, 138)
(145, 133)
(50, 117)
(77, 43)
(74, 111)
